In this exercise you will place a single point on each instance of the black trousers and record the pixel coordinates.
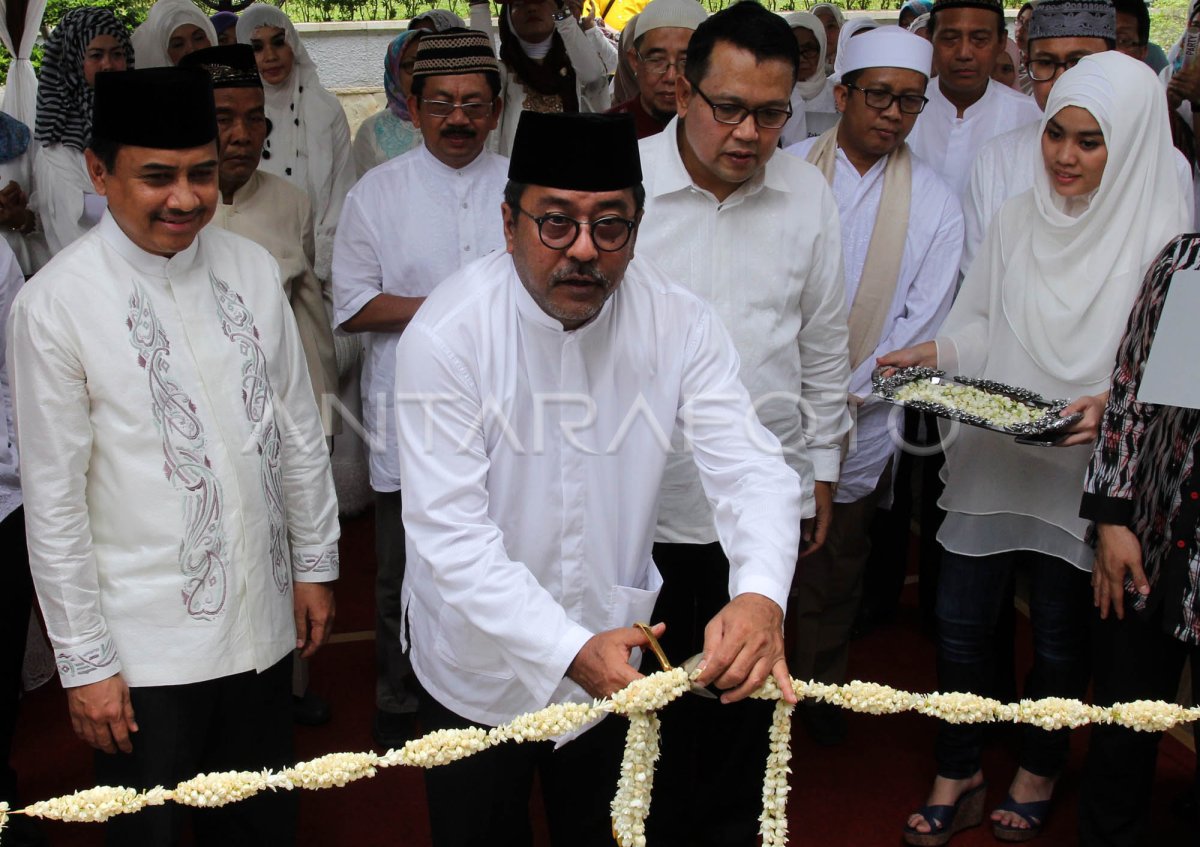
(708, 784)
(1133, 659)
(16, 597)
(483, 800)
(239, 722)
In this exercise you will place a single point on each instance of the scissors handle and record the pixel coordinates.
(655, 647)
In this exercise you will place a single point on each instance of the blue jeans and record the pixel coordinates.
(971, 592)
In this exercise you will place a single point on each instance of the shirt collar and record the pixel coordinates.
(671, 175)
(440, 168)
(247, 191)
(972, 111)
(149, 264)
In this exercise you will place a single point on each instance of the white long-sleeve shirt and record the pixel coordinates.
(769, 261)
(1005, 167)
(950, 143)
(406, 226)
(175, 476)
(531, 459)
(924, 292)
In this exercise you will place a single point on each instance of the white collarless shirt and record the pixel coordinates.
(406, 226)
(175, 476)
(531, 459)
(950, 143)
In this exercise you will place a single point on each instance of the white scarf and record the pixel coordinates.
(1072, 275)
(535, 50)
(815, 84)
(150, 40)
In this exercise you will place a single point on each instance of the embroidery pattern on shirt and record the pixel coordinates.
(82, 664)
(237, 321)
(325, 561)
(202, 550)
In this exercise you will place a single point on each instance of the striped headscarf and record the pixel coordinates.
(64, 100)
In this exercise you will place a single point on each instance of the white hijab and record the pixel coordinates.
(294, 144)
(849, 29)
(815, 84)
(150, 40)
(1072, 278)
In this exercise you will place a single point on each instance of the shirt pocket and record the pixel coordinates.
(628, 604)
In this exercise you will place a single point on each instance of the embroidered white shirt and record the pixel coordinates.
(11, 281)
(175, 476)
(769, 261)
(924, 292)
(406, 226)
(950, 143)
(532, 458)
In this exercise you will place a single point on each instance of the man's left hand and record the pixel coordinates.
(743, 643)
(315, 609)
(814, 530)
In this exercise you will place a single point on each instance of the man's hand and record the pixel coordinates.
(1087, 429)
(814, 530)
(1185, 85)
(102, 714)
(601, 667)
(743, 643)
(1118, 552)
(315, 609)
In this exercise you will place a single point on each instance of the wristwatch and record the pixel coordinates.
(562, 14)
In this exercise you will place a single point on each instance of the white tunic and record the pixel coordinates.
(1005, 167)
(924, 292)
(175, 476)
(64, 196)
(406, 226)
(950, 143)
(769, 261)
(532, 459)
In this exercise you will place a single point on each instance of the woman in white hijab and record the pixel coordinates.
(832, 18)
(813, 94)
(309, 142)
(173, 29)
(1043, 307)
(852, 27)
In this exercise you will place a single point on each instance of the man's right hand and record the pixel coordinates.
(602, 666)
(102, 714)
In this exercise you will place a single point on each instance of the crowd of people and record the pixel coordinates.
(564, 438)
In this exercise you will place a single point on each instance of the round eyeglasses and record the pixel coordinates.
(558, 232)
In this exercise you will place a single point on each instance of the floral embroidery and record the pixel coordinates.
(202, 550)
(237, 321)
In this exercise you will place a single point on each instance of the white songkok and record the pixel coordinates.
(684, 14)
(887, 47)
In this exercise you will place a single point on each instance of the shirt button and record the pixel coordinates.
(464, 205)
(1181, 544)
(1195, 495)
(467, 249)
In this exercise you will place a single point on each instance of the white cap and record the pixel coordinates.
(685, 14)
(887, 47)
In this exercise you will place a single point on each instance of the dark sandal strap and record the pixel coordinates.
(1033, 813)
(938, 818)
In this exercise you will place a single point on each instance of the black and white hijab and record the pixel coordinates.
(64, 100)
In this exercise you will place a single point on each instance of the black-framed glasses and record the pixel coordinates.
(657, 65)
(765, 117)
(444, 109)
(1044, 70)
(558, 232)
(877, 98)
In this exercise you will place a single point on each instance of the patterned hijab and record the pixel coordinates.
(391, 73)
(64, 100)
(549, 74)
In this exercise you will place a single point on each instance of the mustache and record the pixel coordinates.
(458, 132)
(579, 272)
(175, 216)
